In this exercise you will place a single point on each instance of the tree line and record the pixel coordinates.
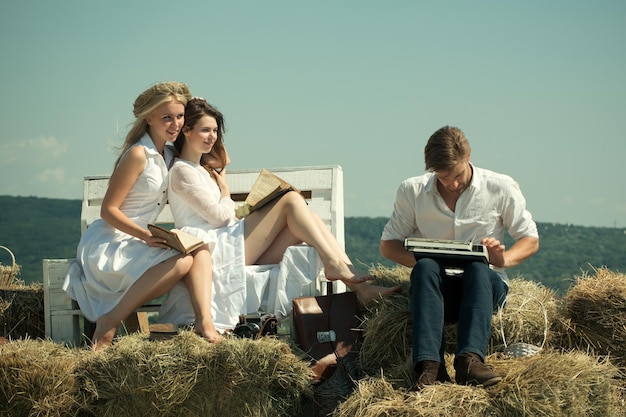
(36, 228)
(566, 251)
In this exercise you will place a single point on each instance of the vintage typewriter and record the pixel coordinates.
(451, 253)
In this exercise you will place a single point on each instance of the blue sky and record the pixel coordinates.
(539, 88)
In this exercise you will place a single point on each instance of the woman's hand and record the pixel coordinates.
(212, 161)
(153, 241)
(220, 179)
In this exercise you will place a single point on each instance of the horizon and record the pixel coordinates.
(79, 201)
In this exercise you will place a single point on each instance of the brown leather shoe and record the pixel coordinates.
(427, 373)
(442, 374)
(470, 370)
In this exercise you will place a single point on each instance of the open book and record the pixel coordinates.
(266, 188)
(177, 239)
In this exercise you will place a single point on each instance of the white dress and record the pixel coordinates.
(108, 261)
(198, 209)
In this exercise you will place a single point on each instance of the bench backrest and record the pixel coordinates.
(322, 187)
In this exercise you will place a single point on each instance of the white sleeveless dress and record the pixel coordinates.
(108, 261)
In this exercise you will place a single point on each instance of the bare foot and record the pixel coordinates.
(346, 273)
(366, 292)
(212, 336)
(104, 333)
(208, 332)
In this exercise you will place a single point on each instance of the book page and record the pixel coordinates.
(176, 239)
(189, 242)
(266, 187)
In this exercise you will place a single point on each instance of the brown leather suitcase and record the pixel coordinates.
(326, 328)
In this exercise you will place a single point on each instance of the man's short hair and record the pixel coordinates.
(445, 149)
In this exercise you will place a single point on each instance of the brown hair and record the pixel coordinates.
(445, 149)
(147, 102)
(194, 110)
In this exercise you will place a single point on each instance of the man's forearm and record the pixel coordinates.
(394, 251)
(520, 251)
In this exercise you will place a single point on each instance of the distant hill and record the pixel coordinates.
(37, 228)
(565, 251)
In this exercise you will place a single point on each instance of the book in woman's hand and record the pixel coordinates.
(266, 188)
(176, 239)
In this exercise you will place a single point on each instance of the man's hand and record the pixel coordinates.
(496, 251)
(516, 254)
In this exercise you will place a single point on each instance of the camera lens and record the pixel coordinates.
(247, 330)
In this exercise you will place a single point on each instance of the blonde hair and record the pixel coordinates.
(146, 103)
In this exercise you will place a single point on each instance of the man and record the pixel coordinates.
(456, 200)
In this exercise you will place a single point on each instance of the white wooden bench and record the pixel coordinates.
(322, 187)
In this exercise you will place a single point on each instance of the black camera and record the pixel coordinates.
(255, 325)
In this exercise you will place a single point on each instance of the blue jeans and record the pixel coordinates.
(469, 300)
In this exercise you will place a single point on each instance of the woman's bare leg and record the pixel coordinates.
(290, 211)
(199, 281)
(364, 291)
(274, 253)
(152, 284)
(290, 221)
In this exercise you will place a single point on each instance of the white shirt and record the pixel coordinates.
(491, 204)
(195, 198)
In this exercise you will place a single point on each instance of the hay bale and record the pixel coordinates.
(22, 311)
(547, 384)
(21, 306)
(376, 397)
(594, 315)
(555, 385)
(387, 323)
(386, 334)
(187, 376)
(527, 316)
(37, 379)
(389, 277)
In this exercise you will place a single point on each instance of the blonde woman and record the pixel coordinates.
(120, 265)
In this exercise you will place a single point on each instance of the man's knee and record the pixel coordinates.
(424, 267)
(477, 269)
